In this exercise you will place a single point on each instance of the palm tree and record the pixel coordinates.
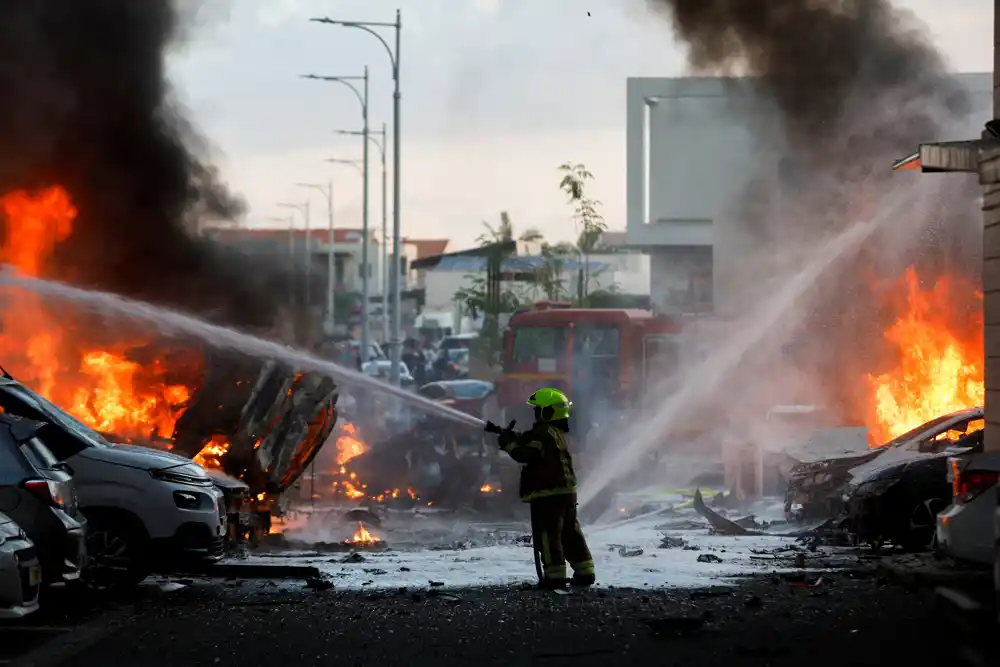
(586, 213)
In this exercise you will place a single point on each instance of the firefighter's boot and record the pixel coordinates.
(583, 580)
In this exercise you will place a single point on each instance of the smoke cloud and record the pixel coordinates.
(848, 76)
(856, 84)
(87, 105)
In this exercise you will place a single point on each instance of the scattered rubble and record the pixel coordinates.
(669, 542)
(709, 558)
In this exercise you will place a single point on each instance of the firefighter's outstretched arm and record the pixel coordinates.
(528, 447)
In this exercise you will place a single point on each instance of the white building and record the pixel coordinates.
(690, 153)
(626, 273)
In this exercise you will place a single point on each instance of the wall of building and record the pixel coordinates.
(990, 179)
(690, 152)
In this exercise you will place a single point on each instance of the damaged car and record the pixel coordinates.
(816, 488)
(896, 498)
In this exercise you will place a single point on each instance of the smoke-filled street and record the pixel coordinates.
(499, 333)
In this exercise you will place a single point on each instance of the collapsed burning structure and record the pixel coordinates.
(103, 184)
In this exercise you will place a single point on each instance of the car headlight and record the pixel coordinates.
(184, 474)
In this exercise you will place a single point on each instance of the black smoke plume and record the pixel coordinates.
(85, 103)
(856, 82)
(856, 85)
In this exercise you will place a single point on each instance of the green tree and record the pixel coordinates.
(586, 214)
(474, 296)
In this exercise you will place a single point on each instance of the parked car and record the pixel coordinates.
(145, 507)
(20, 571)
(965, 528)
(816, 488)
(382, 369)
(469, 396)
(897, 497)
(36, 491)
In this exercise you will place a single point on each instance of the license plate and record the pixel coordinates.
(34, 575)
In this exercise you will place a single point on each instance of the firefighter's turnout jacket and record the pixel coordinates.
(547, 465)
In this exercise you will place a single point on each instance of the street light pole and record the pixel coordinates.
(394, 57)
(303, 208)
(365, 230)
(384, 243)
(331, 266)
(290, 221)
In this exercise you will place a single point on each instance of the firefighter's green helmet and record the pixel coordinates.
(553, 404)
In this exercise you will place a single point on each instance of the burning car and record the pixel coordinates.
(897, 497)
(816, 488)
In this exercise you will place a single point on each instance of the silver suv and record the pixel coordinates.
(144, 507)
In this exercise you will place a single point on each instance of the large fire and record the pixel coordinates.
(349, 446)
(98, 383)
(939, 340)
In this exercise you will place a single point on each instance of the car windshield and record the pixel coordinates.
(533, 343)
(926, 426)
(59, 416)
(469, 389)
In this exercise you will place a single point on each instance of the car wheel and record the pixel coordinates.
(923, 524)
(116, 556)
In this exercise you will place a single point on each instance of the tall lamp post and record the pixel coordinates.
(384, 279)
(365, 262)
(331, 279)
(290, 222)
(303, 208)
(394, 58)
(365, 286)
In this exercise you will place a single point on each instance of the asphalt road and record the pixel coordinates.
(842, 620)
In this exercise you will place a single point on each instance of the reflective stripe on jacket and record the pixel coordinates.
(547, 464)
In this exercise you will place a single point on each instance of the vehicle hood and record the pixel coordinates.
(894, 462)
(228, 482)
(841, 463)
(132, 456)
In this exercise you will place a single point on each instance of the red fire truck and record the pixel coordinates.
(605, 357)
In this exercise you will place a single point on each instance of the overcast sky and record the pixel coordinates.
(496, 94)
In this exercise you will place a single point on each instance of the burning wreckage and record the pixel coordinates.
(891, 493)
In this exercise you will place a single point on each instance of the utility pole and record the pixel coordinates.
(331, 264)
(384, 238)
(290, 222)
(365, 229)
(394, 57)
(303, 208)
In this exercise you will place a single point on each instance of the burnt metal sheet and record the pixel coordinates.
(945, 157)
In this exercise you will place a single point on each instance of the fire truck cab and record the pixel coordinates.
(601, 358)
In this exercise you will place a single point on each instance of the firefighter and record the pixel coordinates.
(548, 484)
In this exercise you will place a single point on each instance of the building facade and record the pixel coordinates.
(693, 146)
(679, 191)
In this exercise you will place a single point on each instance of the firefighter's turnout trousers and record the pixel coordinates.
(558, 537)
(548, 483)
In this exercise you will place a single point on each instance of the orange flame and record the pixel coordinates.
(939, 340)
(348, 445)
(487, 488)
(211, 454)
(362, 536)
(42, 348)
